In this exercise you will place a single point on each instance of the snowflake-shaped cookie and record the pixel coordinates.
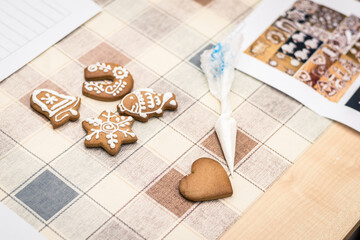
(109, 131)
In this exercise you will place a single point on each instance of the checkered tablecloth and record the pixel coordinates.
(67, 191)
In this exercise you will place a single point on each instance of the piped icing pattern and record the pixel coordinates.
(59, 108)
(117, 81)
(145, 103)
(109, 131)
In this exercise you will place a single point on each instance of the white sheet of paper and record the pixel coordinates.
(27, 28)
(14, 227)
(256, 23)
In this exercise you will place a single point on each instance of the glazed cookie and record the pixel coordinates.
(208, 181)
(59, 108)
(109, 131)
(119, 81)
(143, 104)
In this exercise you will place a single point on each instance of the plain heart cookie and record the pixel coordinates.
(208, 181)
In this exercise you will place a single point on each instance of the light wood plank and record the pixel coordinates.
(317, 198)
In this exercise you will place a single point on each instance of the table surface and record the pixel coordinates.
(317, 198)
(67, 191)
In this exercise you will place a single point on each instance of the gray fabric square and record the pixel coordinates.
(46, 195)
(196, 59)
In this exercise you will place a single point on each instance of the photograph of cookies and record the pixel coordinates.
(314, 31)
(286, 25)
(338, 78)
(306, 27)
(354, 101)
(301, 11)
(107, 81)
(346, 34)
(326, 18)
(267, 44)
(354, 52)
(300, 46)
(285, 63)
(307, 6)
(145, 103)
(57, 107)
(109, 131)
(317, 65)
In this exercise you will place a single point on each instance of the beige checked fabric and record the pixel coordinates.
(66, 191)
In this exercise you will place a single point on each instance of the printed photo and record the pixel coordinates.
(317, 45)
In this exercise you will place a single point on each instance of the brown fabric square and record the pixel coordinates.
(155, 24)
(21, 81)
(166, 192)
(104, 53)
(244, 145)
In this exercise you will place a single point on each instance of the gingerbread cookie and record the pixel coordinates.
(109, 131)
(121, 81)
(59, 108)
(208, 181)
(143, 104)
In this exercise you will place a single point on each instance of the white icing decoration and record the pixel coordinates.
(143, 115)
(58, 109)
(273, 63)
(311, 43)
(294, 62)
(110, 128)
(92, 68)
(58, 104)
(49, 99)
(153, 103)
(99, 66)
(157, 100)
(112, 88)
(303, 54)
(73, 112)
(288, 48)
(167, 96)
(120, 72)
(298, 37)
(150, 100)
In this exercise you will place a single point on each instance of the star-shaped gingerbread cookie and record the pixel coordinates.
(109, 131)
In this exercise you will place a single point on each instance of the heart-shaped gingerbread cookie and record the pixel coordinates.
(208, 181)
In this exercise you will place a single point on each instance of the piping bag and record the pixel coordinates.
(218, 66)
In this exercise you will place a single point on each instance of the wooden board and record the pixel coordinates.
(317, 198)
